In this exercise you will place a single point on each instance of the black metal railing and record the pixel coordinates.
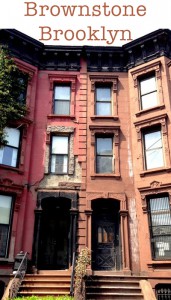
(19, 275)
(163, 292)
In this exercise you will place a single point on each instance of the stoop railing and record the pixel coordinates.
(19, 272)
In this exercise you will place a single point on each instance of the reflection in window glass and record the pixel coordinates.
(104, 155)
(103, 101)
(5, 211)
(62, 95)
(59, 154)
(148, 92)
(160, 227)
(9, 152)
(153, 149)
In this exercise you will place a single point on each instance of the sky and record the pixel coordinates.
(103, 29)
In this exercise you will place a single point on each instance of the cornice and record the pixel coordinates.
(99, 58)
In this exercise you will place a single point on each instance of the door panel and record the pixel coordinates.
(54, 239)
(105, 239)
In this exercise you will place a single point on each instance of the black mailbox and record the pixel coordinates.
(18, 259)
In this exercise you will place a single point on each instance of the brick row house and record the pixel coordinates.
(90, 165)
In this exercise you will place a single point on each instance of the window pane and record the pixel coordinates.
(60, 145)
(4, 229)
(12, 136)
(59, 164)
(154, 159)
(160, 227)
(104, 164)
(149, 100)
(62, 92)
(153, 140)
(62, 107)
(8, 156)
(104, 146)
(5, 208)
(148, 85)
(103, 109)
(103, 94)
(162, 247)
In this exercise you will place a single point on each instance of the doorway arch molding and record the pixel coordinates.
(73, 196)
(123, 212)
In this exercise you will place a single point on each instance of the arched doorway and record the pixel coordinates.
(106, 240)
(54, 237)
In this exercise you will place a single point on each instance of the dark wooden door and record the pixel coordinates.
(54, 240)
(106, 241)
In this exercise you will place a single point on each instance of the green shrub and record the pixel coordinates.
(45, 298)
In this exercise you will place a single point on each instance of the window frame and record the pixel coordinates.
(52, 154)
(9, 225)
(142, 78)
(144, 72)
(18, 148)
(62, 79)
(97, 101)
(150, 123)
(146, 151)
(153, 235)
(55, 100)
(60, 130)
(105, 80)
(105, 130)
(106, 155)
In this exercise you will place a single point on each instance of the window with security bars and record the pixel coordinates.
(163, 292)
(9, 153)
(103, 101)
(153, 149)
(148, 92)
(62, 97)
(104, 155)
(160, 227)
(5, 220)
(59, 155)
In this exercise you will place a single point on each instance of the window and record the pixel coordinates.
(160, 226)
(104, 155)
(5, 218)
(103, 101)
(153, 149)
(59, 155)
(163, 291)
(10, 152)
(22, 82)
(148, 92)
(62, 95)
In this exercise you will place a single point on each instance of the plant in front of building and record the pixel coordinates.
(13, 84)
(83, 261)
(45, 298)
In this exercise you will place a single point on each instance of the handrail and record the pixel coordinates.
(19, 275)
(72, 275)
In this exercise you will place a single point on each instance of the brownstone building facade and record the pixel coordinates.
(96, 169)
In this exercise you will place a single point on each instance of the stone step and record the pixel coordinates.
(115, 296)
(113, 289)
(111, 283)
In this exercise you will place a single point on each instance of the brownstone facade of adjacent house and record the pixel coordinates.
(95, 161)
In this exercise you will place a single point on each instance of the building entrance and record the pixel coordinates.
(54, 238)
(106, 254)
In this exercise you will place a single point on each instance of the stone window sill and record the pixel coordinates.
(95, 175)
(151, 109)
(95, 117)
(159, 263)
(6, 260)
(152, 171)
(17, 170)
(52, 116)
